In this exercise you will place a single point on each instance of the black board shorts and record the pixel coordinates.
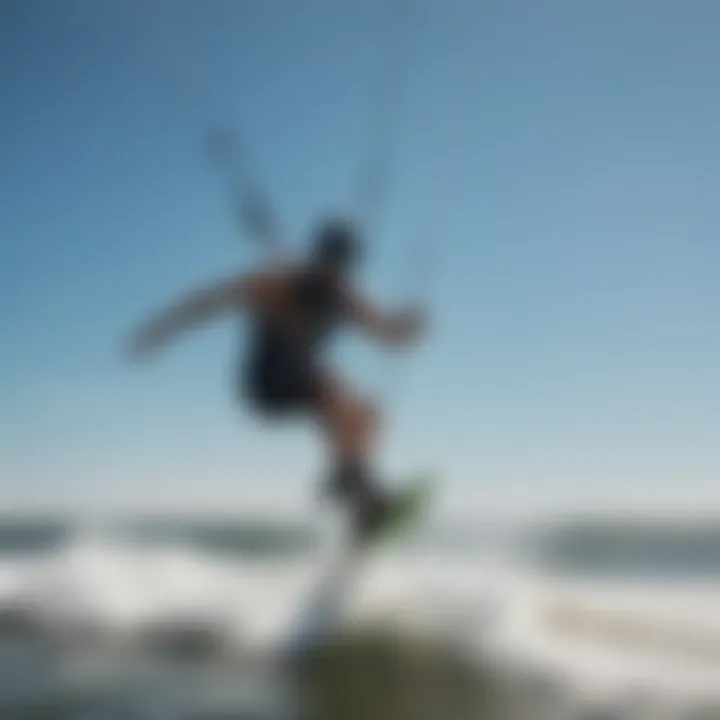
(282, 382)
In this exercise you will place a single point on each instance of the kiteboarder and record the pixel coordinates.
(295, 308)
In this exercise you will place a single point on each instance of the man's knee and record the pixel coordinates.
(367, 414)
(347, 408)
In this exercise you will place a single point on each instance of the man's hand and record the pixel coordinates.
(394, 329)
(407, 326)
(144, 343)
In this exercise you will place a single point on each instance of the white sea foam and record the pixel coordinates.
(600, 637)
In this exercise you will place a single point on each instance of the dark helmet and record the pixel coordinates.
(336, 244)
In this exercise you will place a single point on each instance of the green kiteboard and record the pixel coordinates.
(407, 510)
(324, 611)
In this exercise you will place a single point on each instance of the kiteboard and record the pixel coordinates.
(323, 612)
(406, 510)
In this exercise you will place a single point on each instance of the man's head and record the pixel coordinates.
(336, 246)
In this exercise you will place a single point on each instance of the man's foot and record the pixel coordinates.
(354, 487)
(389, 512)
(350, 482)
(371, 515)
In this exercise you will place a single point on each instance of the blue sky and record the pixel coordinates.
(561, 157)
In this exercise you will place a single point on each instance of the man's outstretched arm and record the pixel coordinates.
(236, 293)
(391, 328)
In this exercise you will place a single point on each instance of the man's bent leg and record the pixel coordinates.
(350, 425)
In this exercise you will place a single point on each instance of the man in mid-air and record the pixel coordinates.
(294, 309)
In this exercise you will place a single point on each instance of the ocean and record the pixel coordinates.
(173, 617)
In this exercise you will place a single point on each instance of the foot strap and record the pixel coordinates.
(352, 482)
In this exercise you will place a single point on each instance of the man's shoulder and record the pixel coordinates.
(282, 268)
